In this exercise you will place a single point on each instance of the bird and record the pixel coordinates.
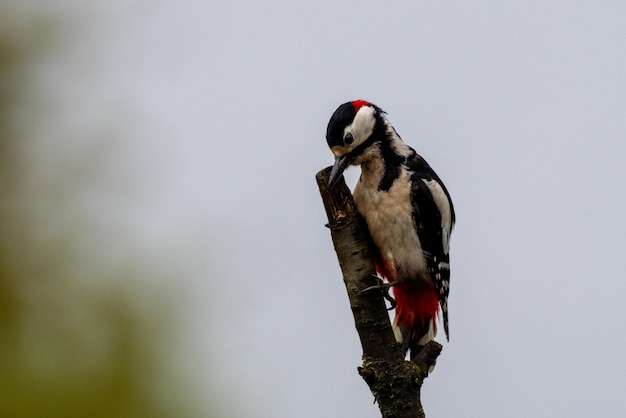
(409, 215)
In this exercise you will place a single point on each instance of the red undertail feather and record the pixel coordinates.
(417, 305)
(415, 324)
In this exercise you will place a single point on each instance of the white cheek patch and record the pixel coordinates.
(363, 124)
(441, 200)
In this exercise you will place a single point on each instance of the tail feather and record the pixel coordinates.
(445, 323)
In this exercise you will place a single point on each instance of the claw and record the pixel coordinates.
(392, 301)
(384, 288)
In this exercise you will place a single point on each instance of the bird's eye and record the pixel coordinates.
(348, 139)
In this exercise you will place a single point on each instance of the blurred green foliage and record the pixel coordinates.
(70, 346)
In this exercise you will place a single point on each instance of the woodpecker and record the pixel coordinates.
(408, 212)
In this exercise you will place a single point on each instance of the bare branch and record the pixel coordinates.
(394, 382)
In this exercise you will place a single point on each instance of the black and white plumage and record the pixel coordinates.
(408, 212)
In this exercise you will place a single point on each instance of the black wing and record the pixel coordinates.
(434, 218)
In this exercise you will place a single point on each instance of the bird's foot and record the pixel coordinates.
(384, 288)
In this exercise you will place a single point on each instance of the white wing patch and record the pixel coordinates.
(441, 200)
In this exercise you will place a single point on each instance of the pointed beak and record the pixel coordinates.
(338, 168)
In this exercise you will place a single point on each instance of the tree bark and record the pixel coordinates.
(394, 382)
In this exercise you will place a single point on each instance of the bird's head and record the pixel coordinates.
(352, 130)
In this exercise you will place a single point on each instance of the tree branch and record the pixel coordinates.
(394, 382)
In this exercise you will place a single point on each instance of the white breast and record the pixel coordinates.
(389, 217)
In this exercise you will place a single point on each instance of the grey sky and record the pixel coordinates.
(519, 106)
